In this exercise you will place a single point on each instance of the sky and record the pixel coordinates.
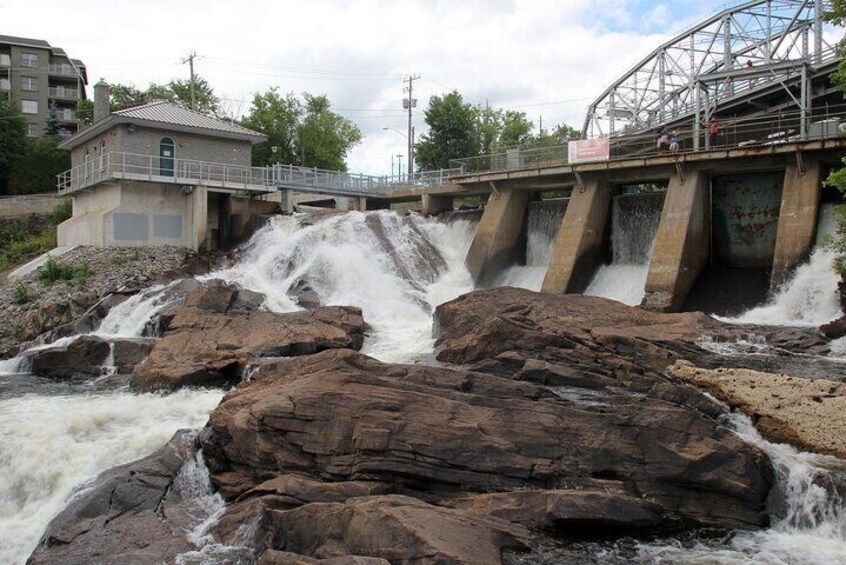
(547, 58)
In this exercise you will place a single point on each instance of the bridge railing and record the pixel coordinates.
(334, 182)
(760, 130)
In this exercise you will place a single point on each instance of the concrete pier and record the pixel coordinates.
(435, 204)
(581, 240)
(496, 243)
(797, 220)
(682, 244)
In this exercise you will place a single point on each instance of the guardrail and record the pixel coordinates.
(761, 130)
(153, 168)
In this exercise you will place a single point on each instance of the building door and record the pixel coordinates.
(166, 151)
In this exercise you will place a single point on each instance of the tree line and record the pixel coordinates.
(301, 130)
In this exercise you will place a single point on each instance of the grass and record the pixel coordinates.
(22, 239)
(54, 271)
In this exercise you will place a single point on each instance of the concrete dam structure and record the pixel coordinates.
(730, 209)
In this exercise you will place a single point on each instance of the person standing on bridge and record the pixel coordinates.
(713, 131)
(674, 140)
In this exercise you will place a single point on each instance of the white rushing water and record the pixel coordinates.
(380, 262)
(51, 445)
(542, 224)
(808, 299)
(812, 530)
(634, 222)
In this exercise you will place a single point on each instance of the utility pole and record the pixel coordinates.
(410, 103)
(190, 60)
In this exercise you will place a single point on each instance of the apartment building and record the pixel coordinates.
(41, 79)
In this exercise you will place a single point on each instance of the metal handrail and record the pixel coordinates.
(777, 128)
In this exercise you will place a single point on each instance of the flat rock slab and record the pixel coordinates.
(339, 416)
(807, 413)
(210, 343)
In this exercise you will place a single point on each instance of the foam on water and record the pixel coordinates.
(343, 260)
(49, 446)
(625, 283)
(808, 299)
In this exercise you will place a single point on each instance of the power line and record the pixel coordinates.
(190, 60)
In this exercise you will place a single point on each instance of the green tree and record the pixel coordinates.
(452, 134)
(35, 170)
(324, 138)
(123, 96)
(516, 129)
(12, 139)
(51, 127)
(178, 92)
(85, 112)
(837, 179)
(278, 118)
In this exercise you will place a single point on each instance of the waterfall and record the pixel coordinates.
(397, 269)
(634, 223)
(811, 528)
(542, 224)
(51, 445)
(809, 298)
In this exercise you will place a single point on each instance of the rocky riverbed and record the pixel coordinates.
(28, 308)
(546, 417)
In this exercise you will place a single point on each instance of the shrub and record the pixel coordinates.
(23, 295)
(62, 212)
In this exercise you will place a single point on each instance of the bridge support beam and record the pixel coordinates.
(496, 243)
(682, 244)
(581, 239)
(434, 204)
(797, 219)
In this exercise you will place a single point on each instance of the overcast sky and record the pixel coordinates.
(546, 58)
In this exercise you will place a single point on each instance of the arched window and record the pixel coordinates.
(166, 156)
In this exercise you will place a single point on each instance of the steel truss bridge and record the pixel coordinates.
(759, 56)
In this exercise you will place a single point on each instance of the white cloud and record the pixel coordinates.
(522, 54)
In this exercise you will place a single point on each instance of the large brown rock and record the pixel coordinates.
(85, 355)
(132, 515)
(398, 529)
(341, 416)
(207, 343)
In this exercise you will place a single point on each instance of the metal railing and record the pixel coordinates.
(63, 92)
(752, 131)
(62, 69)
(132, 166)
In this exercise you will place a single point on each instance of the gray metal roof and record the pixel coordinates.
(170, 114)
(167, 116)
(24, 41)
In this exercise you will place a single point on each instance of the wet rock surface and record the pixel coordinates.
(549, 417)
(112, 269)
(219, 332)
(134, 514)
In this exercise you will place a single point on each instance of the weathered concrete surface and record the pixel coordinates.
(807, 413)
(434, 204)
(682, 243)
(581, 239)
(496, 243)
(797, 220)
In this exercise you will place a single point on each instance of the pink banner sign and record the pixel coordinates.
(589, 150)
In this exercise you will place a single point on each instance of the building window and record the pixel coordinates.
(29, 83)
(29, 59)
(5, 60)
(29, 106)
(32, 130)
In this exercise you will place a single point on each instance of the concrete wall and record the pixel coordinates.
(130, 214)
(581, 239)
(496, 243)
(682, 244)
(797, 220)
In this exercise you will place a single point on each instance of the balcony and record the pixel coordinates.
(63, 69)
(66, 115)
(5, 60)
(64, 93)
